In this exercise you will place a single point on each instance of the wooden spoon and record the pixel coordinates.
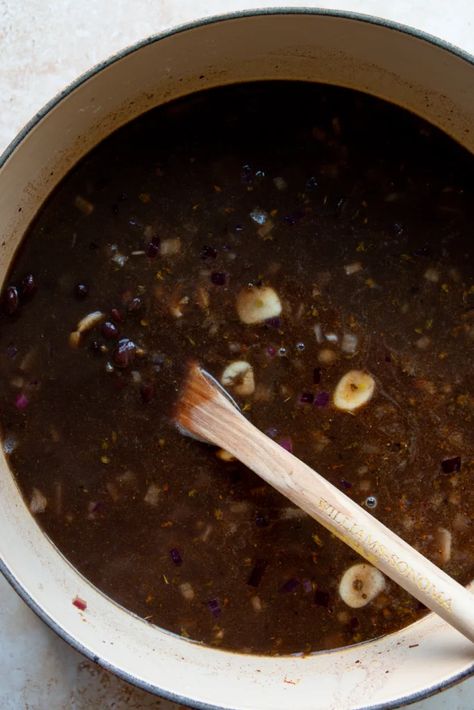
(206, 412)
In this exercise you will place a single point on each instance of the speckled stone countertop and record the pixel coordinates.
(43, 47)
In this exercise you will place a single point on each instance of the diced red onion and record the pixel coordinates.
(271, 432)
(79, 603)
(208, 252)
(96, 506)
(176, 556)
(322, 399)
(218, 278)
(261, 520)
(307, 586)
(286, 443)
(271, 351)
(306, 398)
(214, 607)
(12, 351)
(290, 586)
(273, 322)
(21, 401)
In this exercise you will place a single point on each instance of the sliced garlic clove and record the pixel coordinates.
(360, 584)
(224, 455)
(353, 390)
(74, 339)
(90, 321)
(239, 375)
(255, 305)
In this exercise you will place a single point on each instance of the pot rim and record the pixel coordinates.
(224, 17)
(33, 122)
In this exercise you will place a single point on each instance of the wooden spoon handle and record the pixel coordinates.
(221, 423)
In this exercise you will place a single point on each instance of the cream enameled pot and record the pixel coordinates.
(415, 71)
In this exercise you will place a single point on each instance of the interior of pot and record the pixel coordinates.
(407, 70)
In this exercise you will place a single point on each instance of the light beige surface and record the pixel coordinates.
(43, 47)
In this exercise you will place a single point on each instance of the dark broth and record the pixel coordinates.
(359, 216)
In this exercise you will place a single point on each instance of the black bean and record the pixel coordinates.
(11, 300)
(451, 465)
(124, 353)
(147, 392)
(321, 598)
(176, 556)
(261, 520)
(109, 330)
(134, 304)
(208, 252)
(81, 291)
(116, 315)
(218, 278)
(290, 586)
(153, 248)
(28, 286)
(274, 322)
